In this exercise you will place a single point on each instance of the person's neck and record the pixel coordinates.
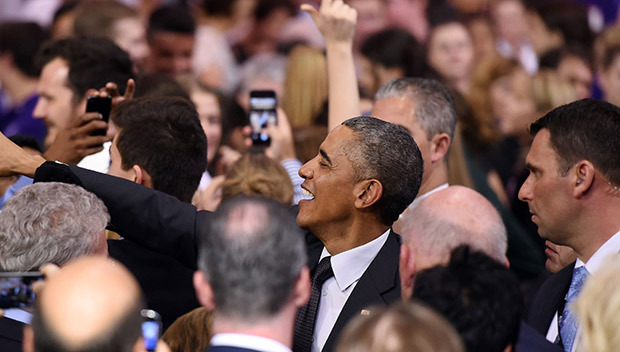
(344, 236)
(19, 87)
(435, 178)
(596, 224)
(278, 328)
(219, 23)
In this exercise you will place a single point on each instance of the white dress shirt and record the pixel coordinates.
(612, 246)
(421, 197)
(348, 268)
(250, 342)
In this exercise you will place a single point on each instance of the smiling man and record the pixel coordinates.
(366, 173)
(573, 192)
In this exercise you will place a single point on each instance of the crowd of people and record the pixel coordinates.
(440, 175)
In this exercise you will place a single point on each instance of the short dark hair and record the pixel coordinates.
(586, 129)
(121, 337)
(479, 296)
(387, 153)
(22, 40)
(175, 19)
(218, 7)
(252, 267)
(163, 135)
(396, 48)
(264, 8)
(26, 142)
(92, 62)
(553, 58)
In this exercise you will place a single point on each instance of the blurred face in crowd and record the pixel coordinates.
(547, 192)
(610, 81)
(130, 35)
(512, 103)
(373, 75)
(510, 20)
(171, 53)
(330, 179)
(450, 51)
(57, 106)
(371, 18)
(577, 72)
(210, 117)
(482, 38)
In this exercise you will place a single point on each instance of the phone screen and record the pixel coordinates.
(262, 112)
(151, 328)
(102, 106)
(16, 289)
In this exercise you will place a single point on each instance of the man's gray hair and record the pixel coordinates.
(434, 105)
(252, 257)
(49, 223)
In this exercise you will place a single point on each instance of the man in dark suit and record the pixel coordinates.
(253, 275)
(366, 173)
(573, 192)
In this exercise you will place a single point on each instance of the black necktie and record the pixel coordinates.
(306, 316)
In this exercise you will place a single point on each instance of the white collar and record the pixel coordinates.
(611, 246)
(349, 266)
(421, 197)
(18, 315)
(250, 342)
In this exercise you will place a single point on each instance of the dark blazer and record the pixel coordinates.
(165, 224)
(11, 335)
(166, 284)
(549, 299)
(530, 340)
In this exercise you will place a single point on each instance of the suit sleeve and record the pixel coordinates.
(148, 217)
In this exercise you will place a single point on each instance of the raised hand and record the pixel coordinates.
(72, 145)
(335, 19)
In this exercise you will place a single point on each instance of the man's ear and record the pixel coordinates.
(583, 178)
(204, 292)
(367, 192)
(407, 269)
(440, 146)
(141, 176)
(301, 292)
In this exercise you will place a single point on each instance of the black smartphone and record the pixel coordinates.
(16, 289)
(102, 106)
(262, 111)
(151, 328)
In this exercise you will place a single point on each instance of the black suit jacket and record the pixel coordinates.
(11, 335)
(549, 299)
(163, 223)
(530, 340)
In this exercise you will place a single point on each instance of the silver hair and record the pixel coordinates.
(434, 233)
(49, 223)
(252, 257)
(433, 104)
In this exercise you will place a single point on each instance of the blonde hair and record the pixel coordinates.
(305, 86)
(257, 174)
(550, 91)
(410, 327)
(598, 309)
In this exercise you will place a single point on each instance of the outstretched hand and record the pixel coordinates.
(16, 161)
(111, 90)
(335, 19)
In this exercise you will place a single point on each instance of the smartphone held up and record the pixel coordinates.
(263, 106)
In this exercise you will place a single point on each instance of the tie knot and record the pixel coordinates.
(580, 274)
(323, 271)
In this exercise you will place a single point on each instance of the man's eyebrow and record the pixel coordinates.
(530, 167)
(325, 156)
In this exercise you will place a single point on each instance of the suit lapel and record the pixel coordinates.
(549, 299)
(378, 286)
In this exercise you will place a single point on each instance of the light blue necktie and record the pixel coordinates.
(568, 321)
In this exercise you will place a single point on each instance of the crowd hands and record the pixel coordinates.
(495, 231)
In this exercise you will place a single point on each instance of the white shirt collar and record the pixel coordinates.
(250, 342)
(349, 266)
(611, 246)
(18, 315)
(421, 197)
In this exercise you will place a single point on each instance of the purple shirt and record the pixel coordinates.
(19, 120)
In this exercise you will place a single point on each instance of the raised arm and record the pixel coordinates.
(336, 21)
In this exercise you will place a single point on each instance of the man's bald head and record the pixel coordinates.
(91, 304)
(449, 218)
